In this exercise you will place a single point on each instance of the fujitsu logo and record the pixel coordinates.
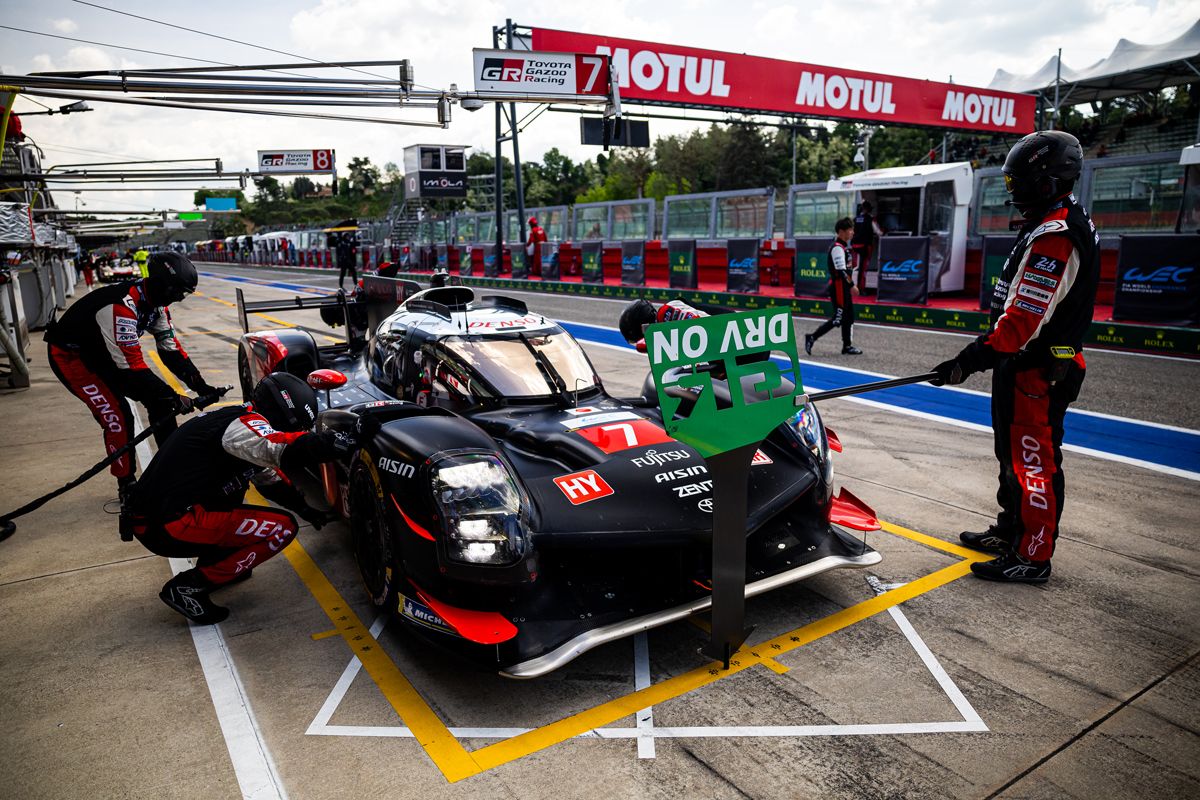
(648, 69)
(836, 91)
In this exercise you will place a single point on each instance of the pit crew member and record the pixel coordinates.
(841, 288)
(1041, 308)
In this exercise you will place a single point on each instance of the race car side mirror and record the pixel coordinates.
(324, 380)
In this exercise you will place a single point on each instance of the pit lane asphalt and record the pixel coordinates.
(1087, 686)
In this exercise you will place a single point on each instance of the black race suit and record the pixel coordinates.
(1044, 299)
(190, 500)
(95, 351)
(841, 279)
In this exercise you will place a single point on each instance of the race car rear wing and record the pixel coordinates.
(296, 303)
(379, 295)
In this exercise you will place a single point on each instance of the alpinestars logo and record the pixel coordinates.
(1036, 542)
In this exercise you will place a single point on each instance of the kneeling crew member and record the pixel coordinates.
(94, 350)
(1041, 308)
(640, 313)
(190, 501)
(841, 287)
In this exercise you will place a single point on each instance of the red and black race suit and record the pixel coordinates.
(841, 271)
(1044, 299)
(95, 351)
(191, 497)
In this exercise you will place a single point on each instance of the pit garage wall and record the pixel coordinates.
(1108, 335)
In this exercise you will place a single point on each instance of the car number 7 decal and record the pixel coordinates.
(617, 436)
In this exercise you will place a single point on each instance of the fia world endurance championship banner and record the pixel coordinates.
(633, 263)
(811, 276)
(491, 264)
(743, 265)
(904, 269)
(1158, 279)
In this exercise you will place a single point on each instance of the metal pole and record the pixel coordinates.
(512, 119)
(499, 170)
(793, 155)
(1057, 78)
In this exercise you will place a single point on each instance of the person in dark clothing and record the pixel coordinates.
(841, 289)
(94, 351)
(1041, 308)
(190, 501)
(862, 244)
(346, 253)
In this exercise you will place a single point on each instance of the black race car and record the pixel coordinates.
(510, 508)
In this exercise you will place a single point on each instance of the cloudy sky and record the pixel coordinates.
(934, 39)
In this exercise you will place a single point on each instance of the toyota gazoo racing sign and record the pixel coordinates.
(529, 72)
(295, 162)
(668, 74)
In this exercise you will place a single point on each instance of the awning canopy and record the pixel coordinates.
(1190, 155)
(908, 178)
(1129, 69)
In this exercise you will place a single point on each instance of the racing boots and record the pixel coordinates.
(188, 592)
(993, 540)
(809, 341)
(851, 350)
(127, 521)
(1012, 568)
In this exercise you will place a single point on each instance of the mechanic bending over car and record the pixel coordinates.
(94, 351)
(190, 501)
(1041, 308)
(640, 313)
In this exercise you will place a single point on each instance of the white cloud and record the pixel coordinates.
(64, 25)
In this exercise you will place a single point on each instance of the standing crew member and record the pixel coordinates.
(140, 258)
(87, 265)
(866, 231)
(95, 352)
(533, 245)
(345, 257)
(190, 501)
(841, 287)
(1041, 308)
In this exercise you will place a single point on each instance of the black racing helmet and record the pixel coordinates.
(1041, 168)
(288, 403)
(171, 277)
(636, 316)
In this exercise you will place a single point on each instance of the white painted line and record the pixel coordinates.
(641, 680)
(321, 720)
(935, 668)
(251, 759)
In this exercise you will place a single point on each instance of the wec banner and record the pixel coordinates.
(1157, 279)
(904, 269)
(296, 162)
(658, 73)
(523, 71)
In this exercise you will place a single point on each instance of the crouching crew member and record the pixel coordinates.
(1041, 308)
(640, 313)
(190, 501)
(95, 351)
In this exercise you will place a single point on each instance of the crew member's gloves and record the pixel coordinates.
(207, 391)
(949, 373)
(315, 517)
(183, 404)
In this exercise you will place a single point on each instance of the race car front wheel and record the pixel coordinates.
(372, 539)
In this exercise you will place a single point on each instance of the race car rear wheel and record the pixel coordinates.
(244, 376)
(372, 539)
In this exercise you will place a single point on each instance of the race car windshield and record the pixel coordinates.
(510, 365)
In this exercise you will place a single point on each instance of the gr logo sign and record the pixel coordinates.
(503, 69)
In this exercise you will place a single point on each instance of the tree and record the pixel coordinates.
(364, 176)
(268, 190)
(303, 187)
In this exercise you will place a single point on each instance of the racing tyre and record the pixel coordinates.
(372, 539)
(244, 376)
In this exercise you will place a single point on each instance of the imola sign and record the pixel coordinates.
(665, 74)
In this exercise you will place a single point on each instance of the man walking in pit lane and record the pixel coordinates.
(1041, 308)
(841, 288)
(346, 255)
(190, 501)
(94, 351)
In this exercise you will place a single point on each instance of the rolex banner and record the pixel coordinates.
(516, 257)
(811, 276)
(995, 255)
(743, 265)
(681, 258)
(904, 269)
(491, 264)
(1157, 279)
(593, 261)
(633, 263)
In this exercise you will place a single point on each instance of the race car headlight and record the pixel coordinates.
(807, 425)
(483, 510)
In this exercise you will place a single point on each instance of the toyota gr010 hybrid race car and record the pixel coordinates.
(508, 507)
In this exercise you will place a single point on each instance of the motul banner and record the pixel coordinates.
(522, 71)
(669, 74)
